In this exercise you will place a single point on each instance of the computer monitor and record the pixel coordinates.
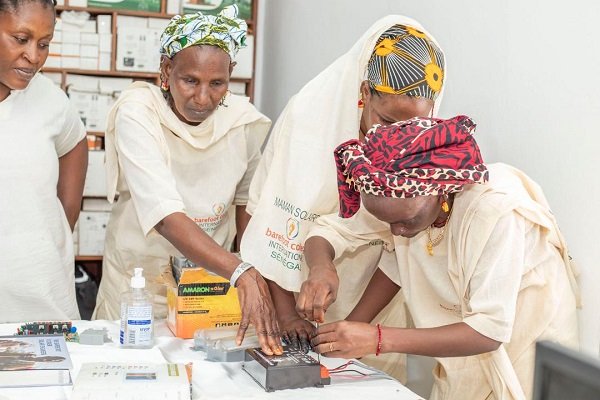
(564, 374)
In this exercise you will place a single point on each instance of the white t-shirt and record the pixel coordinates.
(37, 126)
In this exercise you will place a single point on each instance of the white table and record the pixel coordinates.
(211, 380)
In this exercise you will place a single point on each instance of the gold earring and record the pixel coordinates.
(164, 85)
(222, 102)
(445, 206)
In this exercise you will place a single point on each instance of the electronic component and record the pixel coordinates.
(291, 370)
(226, 350)
(207, 337)
(220, 345)
(45, 328)
(94, 336)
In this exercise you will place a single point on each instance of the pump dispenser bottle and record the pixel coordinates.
(137, 316)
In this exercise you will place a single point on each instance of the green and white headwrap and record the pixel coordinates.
(225, 31)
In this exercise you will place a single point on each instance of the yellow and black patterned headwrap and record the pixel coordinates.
(406, 61)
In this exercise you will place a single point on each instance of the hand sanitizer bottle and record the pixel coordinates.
(136, 314)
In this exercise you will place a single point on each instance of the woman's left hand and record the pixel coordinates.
(345, 339)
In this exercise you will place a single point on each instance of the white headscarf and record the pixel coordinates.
(296, 179)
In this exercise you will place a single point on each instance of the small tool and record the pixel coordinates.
(318, 354)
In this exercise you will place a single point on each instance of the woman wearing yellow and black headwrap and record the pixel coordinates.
(181, 158)
(394, 72)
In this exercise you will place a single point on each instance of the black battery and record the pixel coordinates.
(290, 370)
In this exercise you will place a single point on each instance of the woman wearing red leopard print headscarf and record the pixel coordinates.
(474, 244)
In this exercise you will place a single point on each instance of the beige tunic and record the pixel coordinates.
(502, 269)
(160, 165)
(295, 183)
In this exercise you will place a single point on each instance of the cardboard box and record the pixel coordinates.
(213, 7)
(104, 24)
(70, 49)
(91, 204)
(95, 178)
(158, 23)
(88, 50)
(57, 38)
(55, 77)
(245, 60)
(173, 6)
(71, 37)
(70, 62)
(90, 38)
(200, 300)
(237, 88)
(125, 21)
(137, 49)
(141, 5)
(104, 59)
(105, 42)
(55, 49)
(92, 230)
(89, 63)
(53, 62)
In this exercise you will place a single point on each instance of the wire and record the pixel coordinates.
(375, 373)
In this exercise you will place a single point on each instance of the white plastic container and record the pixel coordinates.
(137, 316)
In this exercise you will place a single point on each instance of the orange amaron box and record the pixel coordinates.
(200, 300)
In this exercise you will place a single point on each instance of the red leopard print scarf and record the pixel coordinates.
(417, 157)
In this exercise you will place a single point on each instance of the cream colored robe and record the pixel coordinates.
(296, 182)
(160, 165)
(502, 268)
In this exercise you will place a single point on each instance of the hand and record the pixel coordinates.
(345, 339)
(318, 292)
(296, 332)
(257, 308)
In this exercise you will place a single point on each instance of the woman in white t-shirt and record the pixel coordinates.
(181, 158)
(42, 171)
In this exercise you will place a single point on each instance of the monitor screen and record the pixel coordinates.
(564, 374)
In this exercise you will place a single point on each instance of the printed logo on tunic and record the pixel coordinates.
(454, 308)
(218, 209)
(210, 223)
(292, 228)
(283, 249)
(295, 212)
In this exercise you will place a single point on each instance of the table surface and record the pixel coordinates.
(210, 380)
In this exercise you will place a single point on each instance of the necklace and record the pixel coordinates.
(432, 242)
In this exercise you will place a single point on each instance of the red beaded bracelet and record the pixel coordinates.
(378, 351)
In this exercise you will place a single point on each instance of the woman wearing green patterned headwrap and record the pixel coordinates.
(181, 158)
(197, 49)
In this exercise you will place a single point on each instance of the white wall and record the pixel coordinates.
(528, 72)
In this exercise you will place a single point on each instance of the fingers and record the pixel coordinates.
(320, 305)
(326, 344)
(258, 309)
(311, 303)
(323, 338)
(268, 334)
(297, 335)
(301, 301)
(241, 331)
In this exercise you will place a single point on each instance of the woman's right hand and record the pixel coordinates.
(297, 332)
(258, 310)
(318, 292)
